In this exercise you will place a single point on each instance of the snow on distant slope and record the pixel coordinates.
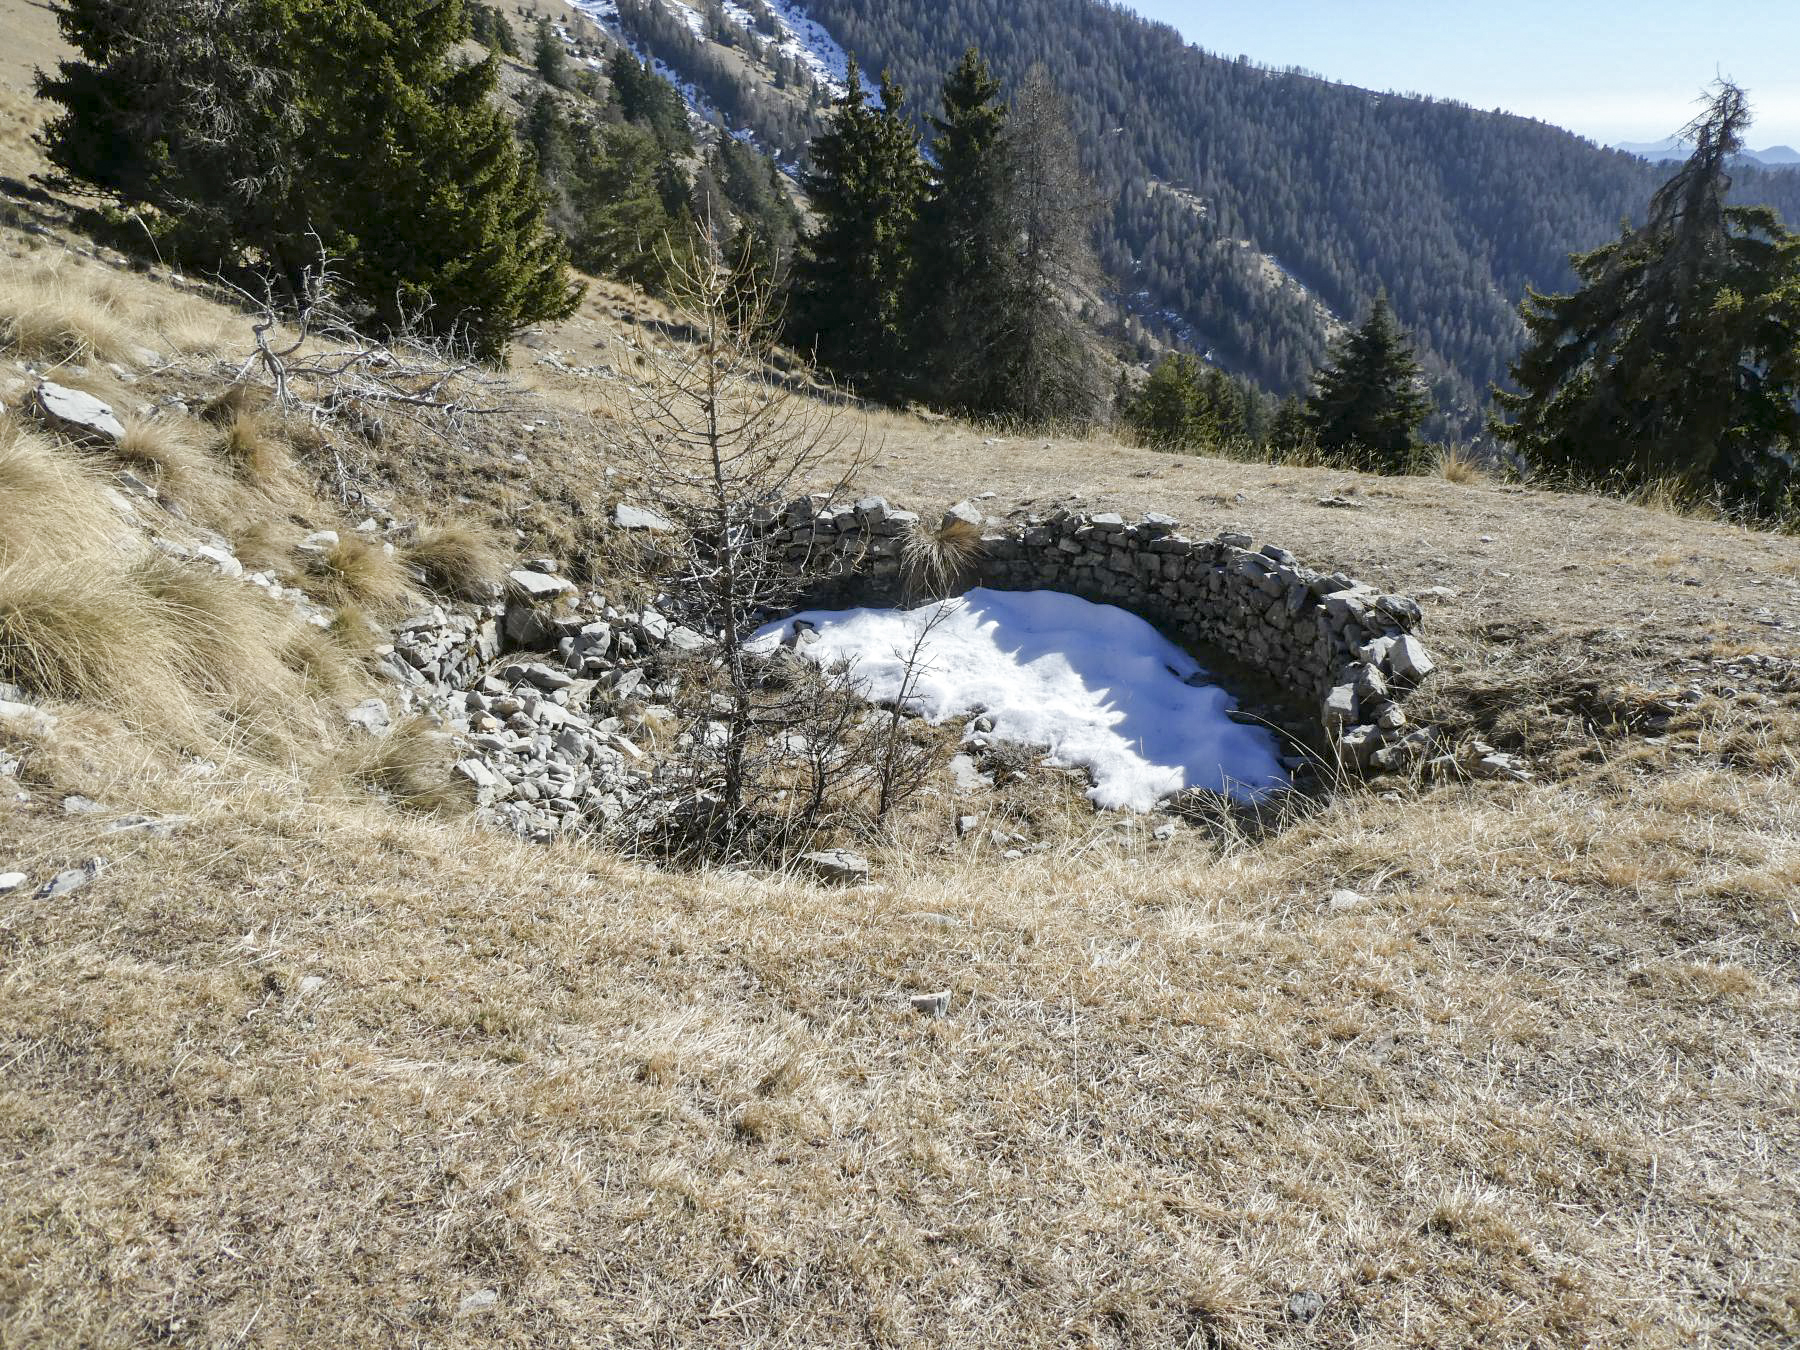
(798, 37)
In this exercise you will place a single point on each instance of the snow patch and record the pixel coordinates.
(1094, 685)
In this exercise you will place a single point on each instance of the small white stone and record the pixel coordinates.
(11, 881)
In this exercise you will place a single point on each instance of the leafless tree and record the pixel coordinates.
(1054, 206)
(721, 445)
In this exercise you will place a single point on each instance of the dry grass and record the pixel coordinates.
(936, 562)
(361, 572)
(315, 1068)
(172, 454)
(1536, 1091)
(1459, 464)
(46, 314)
(411, 767)
(457, 559)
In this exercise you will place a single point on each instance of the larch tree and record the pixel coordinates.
(1051, 375)
(1679, 357)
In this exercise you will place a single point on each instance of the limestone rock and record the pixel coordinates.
(79, 416)
(627, 517)
(66, 883)
(11, 881)
(539, 585)
(371, 717)
(932, 1005)
(838, 864)
(1409, 660)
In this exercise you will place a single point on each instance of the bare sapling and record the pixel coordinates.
(720, 444)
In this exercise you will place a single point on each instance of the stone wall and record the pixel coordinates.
(1344, 650)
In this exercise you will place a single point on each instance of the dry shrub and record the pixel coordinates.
(354, 570)
(936, 563)
(47, 314)
(457, 559)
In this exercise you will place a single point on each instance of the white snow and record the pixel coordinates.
(1097, 687)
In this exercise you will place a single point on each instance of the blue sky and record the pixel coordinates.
(1608, 69)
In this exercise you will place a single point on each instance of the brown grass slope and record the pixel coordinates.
(320, 1069)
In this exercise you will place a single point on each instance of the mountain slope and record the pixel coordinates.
(1224, 181)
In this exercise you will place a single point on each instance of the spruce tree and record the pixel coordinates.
(550, 57)
(850, 278)
(965, 274)
(354, 121)
(1369, 399)
(1679, 357)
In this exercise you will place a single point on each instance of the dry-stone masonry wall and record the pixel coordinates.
(1342, 647)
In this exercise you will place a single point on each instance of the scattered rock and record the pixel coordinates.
(371, 717)
(79, 416)
(967, 824)
(1305, 1304)
(932, 1005)
(627, 517)
(966, 776)
(539, 585)
(1341, 503)
(22, 719)
(933, 919)
(66, 883)
(311, 985)
(77, 805)
(156, 827)
(838, 865)
(11, 881)
(482, 1300)
(1344, 899)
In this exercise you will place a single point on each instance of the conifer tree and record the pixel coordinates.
(1050, 373)
(249, 129)
(850, 278)
(1368, 400)
(1679, 357)
(549, 56)
(965, 274)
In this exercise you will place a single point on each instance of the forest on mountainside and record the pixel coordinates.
(1450, 210)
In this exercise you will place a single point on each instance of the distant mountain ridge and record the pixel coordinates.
(1672, 148)
(1245, 210)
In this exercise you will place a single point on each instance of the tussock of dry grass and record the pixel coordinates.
(171, 453)
(937, 562)
(358, 571)
(47, 314)
(411, 765)
(1458, 464)
(457, 559)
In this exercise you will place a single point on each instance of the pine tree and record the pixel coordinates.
(965, 278)
(1369, 399)
(850, 278)
(1679, 357)
(352, 121)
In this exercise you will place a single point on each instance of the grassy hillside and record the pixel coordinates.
(317, 1060)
